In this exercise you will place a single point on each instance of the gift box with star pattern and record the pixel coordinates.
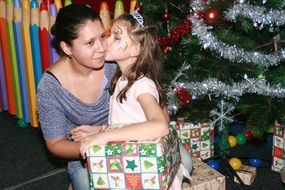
(204, 177)
(135, 165)
(196, 137)
(278, 149)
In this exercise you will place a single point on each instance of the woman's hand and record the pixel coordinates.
(78, 133)
(91, 140)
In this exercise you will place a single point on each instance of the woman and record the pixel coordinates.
(74, 90)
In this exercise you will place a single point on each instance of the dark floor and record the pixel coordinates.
(25, 164)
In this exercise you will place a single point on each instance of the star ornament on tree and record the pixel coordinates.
(222, 116)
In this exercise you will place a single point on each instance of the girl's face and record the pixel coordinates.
(89, 49)
(120, 45)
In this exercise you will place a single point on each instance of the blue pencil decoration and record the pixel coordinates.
(2, 83)
(17, 24)
(35, 43)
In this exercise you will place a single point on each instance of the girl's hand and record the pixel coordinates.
(78, 133)
(91, 140)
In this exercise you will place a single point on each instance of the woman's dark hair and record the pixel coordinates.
(68, 20)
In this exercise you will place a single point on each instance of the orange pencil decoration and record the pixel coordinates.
(119, 9)
(44, 36)
(7, 59)
(132, 5)
(105, 16)
(29, 61)
(15, 75)
(58, 4)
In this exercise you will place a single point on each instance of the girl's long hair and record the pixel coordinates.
(149, 60)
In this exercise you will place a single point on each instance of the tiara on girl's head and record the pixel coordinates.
(138, 17)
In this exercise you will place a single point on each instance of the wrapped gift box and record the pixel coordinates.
(134, 165)
(247, 174)
(278, 147)
(205, 177)
(197, 138)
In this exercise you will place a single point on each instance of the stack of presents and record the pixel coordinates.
(153, 164)
(278, 149)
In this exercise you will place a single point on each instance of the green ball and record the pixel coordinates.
(241, 139)
(22, 123)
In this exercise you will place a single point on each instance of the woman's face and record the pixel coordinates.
(89, 49)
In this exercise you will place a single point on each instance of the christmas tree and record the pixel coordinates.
(223, 59)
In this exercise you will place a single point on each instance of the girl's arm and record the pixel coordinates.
(156, 126)
(78, 133)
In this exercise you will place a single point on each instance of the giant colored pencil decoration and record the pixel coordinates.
(17, 23)
(15, 75)
(39, 1)
(132, 5)
(58, 4)
(43, 36)
(67, 2)
(105, 16)
(54, 54)
(119, 9)
(48, 3)
(34, 34)
(29, 61)
(2, 82)
(7, 59)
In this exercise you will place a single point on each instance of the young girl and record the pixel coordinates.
(138, 102)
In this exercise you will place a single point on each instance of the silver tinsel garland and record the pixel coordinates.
(259, 15)
(215, 88)
(232, 53)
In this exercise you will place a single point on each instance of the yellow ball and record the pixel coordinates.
(235, 163)
(232, 140)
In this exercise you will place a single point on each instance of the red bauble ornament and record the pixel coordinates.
(248, 135)
(183, 96)
(212, 15)
(138, 7)
(166, 16)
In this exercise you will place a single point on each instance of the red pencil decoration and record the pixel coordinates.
(7, 59)
(3, 94)
(44, 36)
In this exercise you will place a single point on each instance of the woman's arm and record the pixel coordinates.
(64, 148)
(156, 126)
